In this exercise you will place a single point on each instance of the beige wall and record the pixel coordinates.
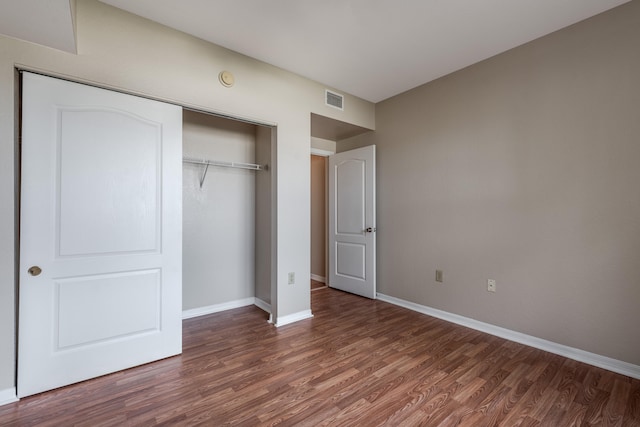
(323, 145)
(354, 142)
(524, 168)
(318, 216)
(125, 52)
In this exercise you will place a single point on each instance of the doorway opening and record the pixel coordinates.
(326, 134)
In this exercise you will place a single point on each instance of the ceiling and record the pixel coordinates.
(373, 49)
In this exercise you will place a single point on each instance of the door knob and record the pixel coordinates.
(35, 270)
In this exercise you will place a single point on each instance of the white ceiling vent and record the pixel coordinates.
(334, 100)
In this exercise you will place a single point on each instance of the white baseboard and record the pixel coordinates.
(262, 305)
(8, 396)
(202, 311)
(603, 362)
(210, 309)
(280, 321)
(318, 278)
(290, 318)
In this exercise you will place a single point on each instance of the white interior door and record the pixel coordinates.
(100, 233)
(352, 221)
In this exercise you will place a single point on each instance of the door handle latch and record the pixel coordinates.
(34, 271)
(370, 229)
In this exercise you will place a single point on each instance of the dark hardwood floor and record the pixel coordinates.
(317, 285)
(357, 362)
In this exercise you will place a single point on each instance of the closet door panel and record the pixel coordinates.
(101, 233)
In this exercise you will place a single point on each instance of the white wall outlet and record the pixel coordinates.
(491, 285)
(292, 278)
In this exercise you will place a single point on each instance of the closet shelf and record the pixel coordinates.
(237, 165)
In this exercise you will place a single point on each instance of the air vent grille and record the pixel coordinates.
(334, 100)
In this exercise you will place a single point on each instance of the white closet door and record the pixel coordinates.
(100, 233)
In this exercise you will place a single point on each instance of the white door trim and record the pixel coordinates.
(322, 153)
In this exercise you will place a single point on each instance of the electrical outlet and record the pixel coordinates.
(439, 276)
(292, 278)
(491, 285)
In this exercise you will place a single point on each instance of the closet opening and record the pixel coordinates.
(228, 201)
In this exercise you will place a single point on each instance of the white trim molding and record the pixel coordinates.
(321, 152)
(210, 309)
(291, 318)
(216, 308)
(603, 362)
(7, 396)
(262, 305)
(318, 278)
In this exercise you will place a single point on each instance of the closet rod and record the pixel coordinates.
(238, 165)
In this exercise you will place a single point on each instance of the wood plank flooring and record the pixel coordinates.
(356, 363)
(317, 285)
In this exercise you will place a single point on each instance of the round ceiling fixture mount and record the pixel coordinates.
(226, 78)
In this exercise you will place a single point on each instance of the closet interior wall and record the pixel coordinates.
(219, 218)
(265, 200)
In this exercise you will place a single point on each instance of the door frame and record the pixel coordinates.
(324, 153)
